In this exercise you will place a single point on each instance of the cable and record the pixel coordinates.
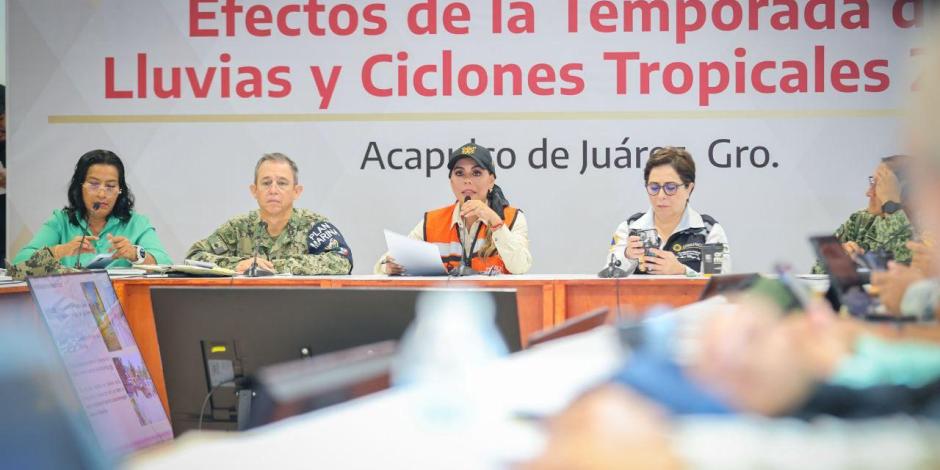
(617, 287)
(202, 409)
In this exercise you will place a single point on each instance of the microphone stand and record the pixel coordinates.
(613, 269)
(464, 269)
(78, 251)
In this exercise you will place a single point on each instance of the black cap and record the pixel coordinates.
(478, 153)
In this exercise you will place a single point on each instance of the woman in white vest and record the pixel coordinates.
(683, 234)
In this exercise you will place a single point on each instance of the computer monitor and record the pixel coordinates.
(104, 365)
(296, 387)
(212, 338)
(728, 283)
(571, 326)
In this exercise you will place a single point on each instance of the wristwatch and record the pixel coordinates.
(141, 255)
(890, 207)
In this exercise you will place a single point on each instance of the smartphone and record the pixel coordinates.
(649, 237)
(100, 261)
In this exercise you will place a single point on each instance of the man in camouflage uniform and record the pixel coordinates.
(287, 240)
(870, 232)
(883, 226)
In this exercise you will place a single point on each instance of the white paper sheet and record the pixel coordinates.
(418, 258)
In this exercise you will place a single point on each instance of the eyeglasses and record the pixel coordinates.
(871, 180)
(94, 187)
(280, 185)
(669, 188)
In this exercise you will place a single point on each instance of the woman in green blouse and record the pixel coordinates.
(99, 218)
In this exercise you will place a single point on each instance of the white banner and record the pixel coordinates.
(786, 109)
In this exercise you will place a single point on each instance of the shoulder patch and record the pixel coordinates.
(324, 237)
(217, 245)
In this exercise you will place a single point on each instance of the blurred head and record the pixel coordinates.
(98, 181)
(276, 184)
(746, 356)
(669, 177)
(471, 172)
(3, 113)
(926, 184)
(924, 128)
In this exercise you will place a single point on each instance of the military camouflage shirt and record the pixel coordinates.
(308, 245)
(873, 232)
(41, 263)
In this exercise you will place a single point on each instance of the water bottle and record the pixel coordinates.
(452, 339)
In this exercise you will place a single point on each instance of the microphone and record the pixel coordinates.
(466, 199)
(254, 270)
(613, 269)
(78, 251)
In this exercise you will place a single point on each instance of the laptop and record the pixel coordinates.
(288, 389)
(846, 284)
(102, 361)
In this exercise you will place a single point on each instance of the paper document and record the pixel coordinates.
(187, 269)
(417, 257)
(123, 272)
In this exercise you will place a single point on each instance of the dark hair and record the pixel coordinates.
(900, 166)
(125, 201)
(679, 159)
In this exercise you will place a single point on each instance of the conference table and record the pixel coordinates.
(543, 301)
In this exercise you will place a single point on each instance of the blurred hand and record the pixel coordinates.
(75, 246)
(122, 248)
(664, 262)
(924, 258)
(874, 204)
(887, 186)
(475, 208)
(853, 249)
(634, 248)
(893, 283)
(392, 268)
(244, 264)
(608, 428)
